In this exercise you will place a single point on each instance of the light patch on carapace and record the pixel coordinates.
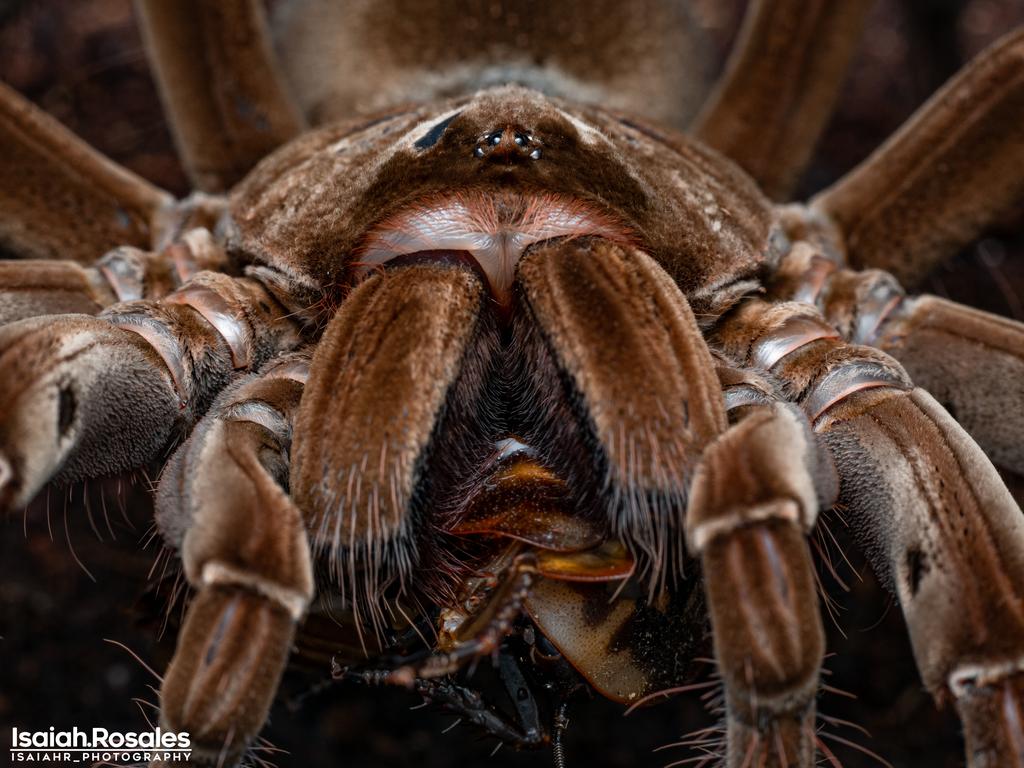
(494, 228)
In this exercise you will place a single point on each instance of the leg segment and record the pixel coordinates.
(933, 514)
(59, 198)
(971, 361)
(220, 84)
(951, 172)
(32, 288)
(780, 85)
(755, 496)
(85, 396)
(222, 505)
(607, 343)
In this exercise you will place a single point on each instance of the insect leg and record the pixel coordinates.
(86, 396)
(951, 172)
(755, 496)
(780, 85)
(934, 517)
(61, 199)
(222, 505)
(220, 83)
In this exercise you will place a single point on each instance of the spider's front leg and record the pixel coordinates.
(85, 396)
(615, 341)
(935, 518)
(223, 505)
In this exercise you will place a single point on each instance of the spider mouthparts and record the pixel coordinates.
(489, 232)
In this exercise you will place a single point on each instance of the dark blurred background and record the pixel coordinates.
(75, 570)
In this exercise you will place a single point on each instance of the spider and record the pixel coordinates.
(490, 340)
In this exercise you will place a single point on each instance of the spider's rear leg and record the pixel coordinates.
(935, 518)
(223, 506)
(780, 85)
(61, 199)
(86, 396)
(951, 172)
(220, 83)
(970, 361)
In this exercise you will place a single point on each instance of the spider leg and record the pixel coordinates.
(215, 66)
(29, 288)
(59, 198)
(395, 387)
(85, 396)
(223, 506)
(933, 514)
(780, 85)
(970, 361)
(617, 389)
(951, 172)
(755, 496)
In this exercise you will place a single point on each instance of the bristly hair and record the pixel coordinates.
(417, 559)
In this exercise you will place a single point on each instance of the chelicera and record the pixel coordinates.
(506, 365)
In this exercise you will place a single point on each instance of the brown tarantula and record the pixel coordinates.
(491, 357)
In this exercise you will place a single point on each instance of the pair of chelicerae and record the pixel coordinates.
(508, 366)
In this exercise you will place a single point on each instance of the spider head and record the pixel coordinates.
(506, 163)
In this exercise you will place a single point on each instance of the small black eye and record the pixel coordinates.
(431, 137)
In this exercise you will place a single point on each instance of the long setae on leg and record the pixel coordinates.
(755, 496)
(936, 520)
(223, 505)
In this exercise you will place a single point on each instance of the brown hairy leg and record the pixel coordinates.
(951, 172)
(61, 199)
(970, 361)
(86, 396)
(933, 514)
(29, 288)
(223, 506)
(622, 386)
(780, 85)
(754, 498)
(220, 85)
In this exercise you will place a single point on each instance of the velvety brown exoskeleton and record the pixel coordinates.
(480, 327)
